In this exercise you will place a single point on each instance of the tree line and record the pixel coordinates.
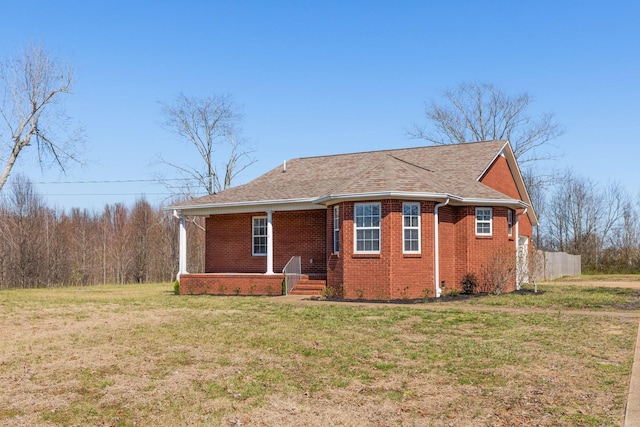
(599, 222)
(43, 247)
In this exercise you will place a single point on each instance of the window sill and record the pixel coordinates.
(365, 256)
(411, 255)
(484, 237)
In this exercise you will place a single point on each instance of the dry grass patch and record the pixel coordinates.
(137, 355)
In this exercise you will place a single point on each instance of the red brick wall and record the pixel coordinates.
(335, 275)
(300, 233)
(390, 274)
(394, 275)
(229, 242)
(499, 177)
(230, 284)
(473, 252)
(365, 276)
(228, 245)
(412, 275)
(449, 254)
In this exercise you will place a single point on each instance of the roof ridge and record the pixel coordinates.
(389, 150)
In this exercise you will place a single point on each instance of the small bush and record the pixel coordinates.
(499, 271)
(333, 291)
(176, 287)
(469, 283)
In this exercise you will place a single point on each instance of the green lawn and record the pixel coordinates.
(138, 355)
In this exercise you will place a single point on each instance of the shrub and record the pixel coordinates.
(499, 270)
(176, 287)
(333, 291)
(469, 283)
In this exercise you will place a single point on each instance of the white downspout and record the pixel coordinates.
(182, 247)
(269, 243)
(517, 239)
(437, 247)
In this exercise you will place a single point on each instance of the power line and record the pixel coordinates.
(114, 181)
(108, 194)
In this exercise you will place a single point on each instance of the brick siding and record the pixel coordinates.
(231, 284)
(296, 233)
(391, 274)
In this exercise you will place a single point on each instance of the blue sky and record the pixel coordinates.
(326, 77)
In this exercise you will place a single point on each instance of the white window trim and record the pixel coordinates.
(356, 228)
(490, 221)
(336, 229)
(418, 227)
(253, 236)
(510, 215)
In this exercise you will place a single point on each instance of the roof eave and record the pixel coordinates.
(334, 198)
(454, 200)
(248, 206)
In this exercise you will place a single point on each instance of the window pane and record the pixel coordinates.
(259, 236)
(367, 227)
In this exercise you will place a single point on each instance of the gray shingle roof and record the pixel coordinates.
(444, 170)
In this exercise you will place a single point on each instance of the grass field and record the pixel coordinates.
(138, 355)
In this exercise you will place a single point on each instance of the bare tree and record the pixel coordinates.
(212, 126)
(481, 112)
(31, 86)
(583, 215)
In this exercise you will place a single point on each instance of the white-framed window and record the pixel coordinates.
(367, 228)
(411, 228)
(484, 221)
(336, 229)
(510, 222)
(259, 236)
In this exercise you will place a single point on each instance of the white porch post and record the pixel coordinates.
(182, 247)
(269, 243)
(519, 266)
(517, 239)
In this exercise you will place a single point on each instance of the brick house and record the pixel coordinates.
(390, 224)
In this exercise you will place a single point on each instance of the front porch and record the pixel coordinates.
(249, 284)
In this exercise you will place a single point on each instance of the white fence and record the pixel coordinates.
(551, 265)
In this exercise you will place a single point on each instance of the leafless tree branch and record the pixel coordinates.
(481, 112)
(32, 85)
(212, 126)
